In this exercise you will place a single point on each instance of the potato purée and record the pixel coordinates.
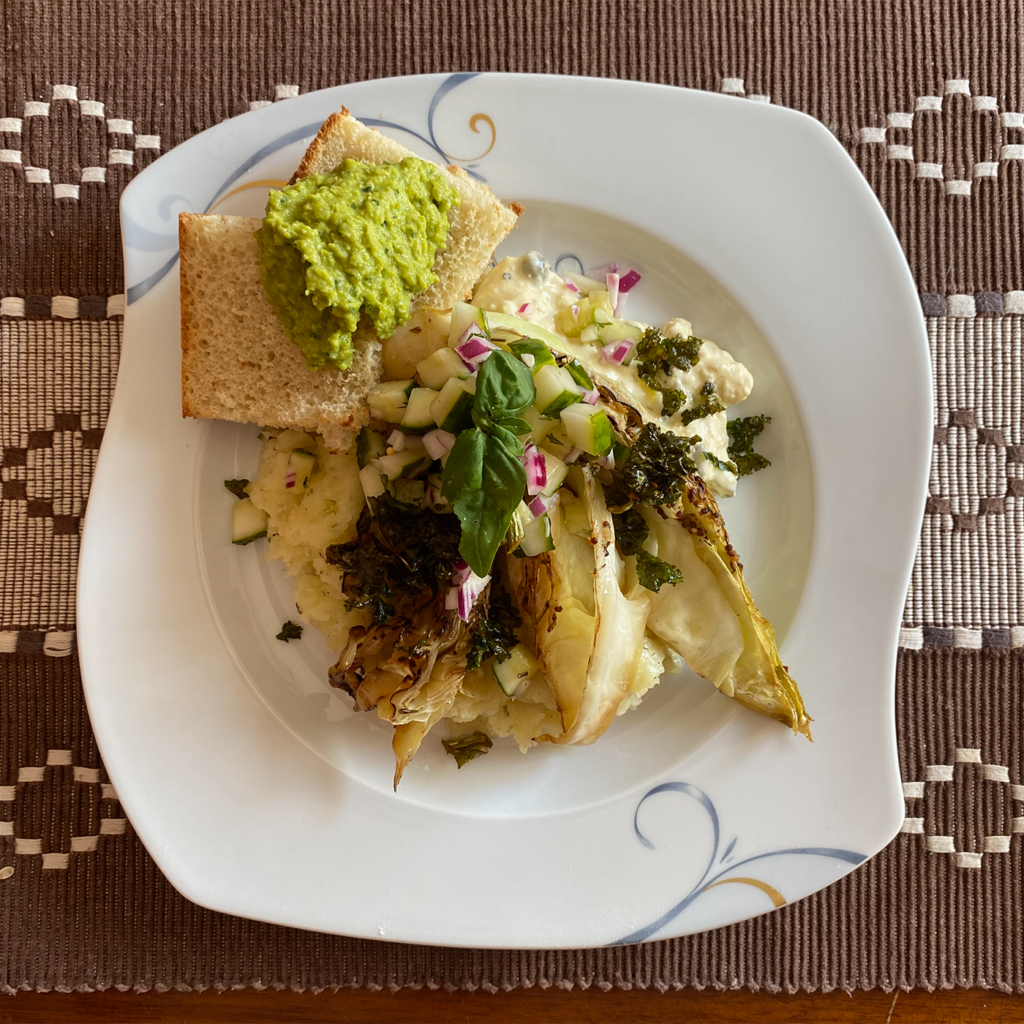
(303, 521)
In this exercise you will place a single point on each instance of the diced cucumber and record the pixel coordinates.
(600, 300)
(412, 492)
(301, 463)
(247, 522)
(537, 536)
(557, 471)
(572, 320)
(589, 334)
(602, 318)
(387, 401)
(369, 445)
(452, 409)
(515, 671)
(439, 366)
(540, 353)
(403, 464)
(578, 374)
(619, 330)
(465, 316)
(372, 482)
(555, 390)
(509, 324)
(589, 428)
(417, 418)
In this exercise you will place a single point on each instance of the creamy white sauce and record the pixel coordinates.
(520, 280)
(529, 280)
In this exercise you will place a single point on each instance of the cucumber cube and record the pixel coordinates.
(555, 390)
(435, 371)
(589, 428)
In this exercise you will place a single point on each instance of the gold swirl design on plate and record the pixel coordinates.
(773, 894)
(262, 183)
(473, 122)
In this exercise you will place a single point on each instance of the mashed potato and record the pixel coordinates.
(304, 521)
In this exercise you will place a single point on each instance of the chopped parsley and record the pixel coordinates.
(237, 488)
(742, 434)
(290, 631)
(630, 533)
(465, 748)
(495, 633)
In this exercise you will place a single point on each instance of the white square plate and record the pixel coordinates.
(255, 787)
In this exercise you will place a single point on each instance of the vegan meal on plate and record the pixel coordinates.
(501, 512)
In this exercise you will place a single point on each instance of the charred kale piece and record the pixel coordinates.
(465, 748)
(495, 633)
(708, 404)
(656, 355)
(630, 533)
(290, 631)
(742, 434)
(237, 488)
(654, 473)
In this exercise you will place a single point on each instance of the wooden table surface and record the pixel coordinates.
(956, 1007)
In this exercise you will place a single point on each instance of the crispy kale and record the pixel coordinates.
(495, 632)
(742, 434)
(655, 470)
(708, 404)
(465, 748)
(657, 355)
(290, 631)
(630, 533)
(726, 467)
(399, 549)
(237, 488)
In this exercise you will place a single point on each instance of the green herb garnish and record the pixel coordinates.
(465, 748)
(655, 470)
(656, 355)
(290, 631)
(399, 549)
(495, 633)
(237, 488)
(630, 533)
(708, 405)
(742, 434)
(726, 467)
(483, 477)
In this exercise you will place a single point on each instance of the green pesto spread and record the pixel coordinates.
(358, 241)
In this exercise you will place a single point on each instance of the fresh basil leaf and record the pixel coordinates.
(484, 505)
(465, 466)
(504, 387)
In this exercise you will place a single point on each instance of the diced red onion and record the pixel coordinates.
(474, 351)
(413, 441)
(607, 461)
(289, 479)
(540, 505)
(618, 351)
(591, 397)
(524, 309)
(437, 442)
(612, 281)
(528, 360)
(598, 272)
(575, 310)
(536, 470)
(629, 280)
(460, 572)
(573, 455)
(571, 286)
(396, 440)
(620, 306)
(474, 330)
(469, 591)
(451, 599)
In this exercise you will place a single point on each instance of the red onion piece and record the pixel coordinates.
(629, 280)
(524, 309)
(573, 455)
(474, 351)
(540, 505)
(536, 470)
(451, 599)
(598, 272)
(289, 479)
(469, 591)
(571, 286)
(591, 397)
(618, 351)
(437, 442)
(396, 440)
(607, 461)
(460, 572)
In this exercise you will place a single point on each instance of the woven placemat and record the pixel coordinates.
(928, 97)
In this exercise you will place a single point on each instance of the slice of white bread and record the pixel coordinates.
(238, 363)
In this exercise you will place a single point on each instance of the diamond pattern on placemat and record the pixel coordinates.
(56, 383)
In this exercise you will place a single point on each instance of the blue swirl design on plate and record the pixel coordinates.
(145, 240)
(709, 881)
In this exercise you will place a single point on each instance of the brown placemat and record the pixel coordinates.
(927, 96)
